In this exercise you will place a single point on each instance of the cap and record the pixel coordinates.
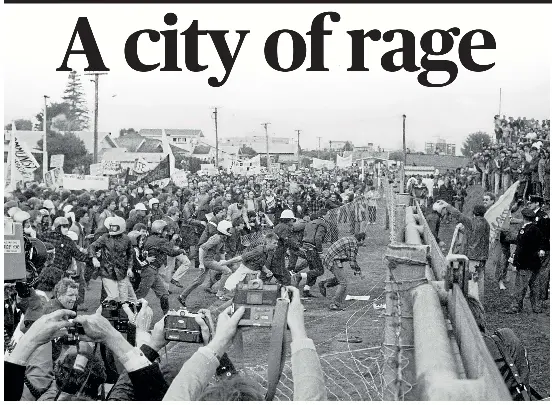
(536, 199)
(528, 213)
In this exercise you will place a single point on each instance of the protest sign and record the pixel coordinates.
(57, 161)
(79, 182)
(180, 178)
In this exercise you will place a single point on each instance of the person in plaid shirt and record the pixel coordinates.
(344, 249)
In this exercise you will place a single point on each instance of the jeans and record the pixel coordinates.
(152, 279)
(216, 269)
(126, 292)
(497, 176)
(315, 265)
(502, 262)
(184, 265)
(339, 280)
(505, 181)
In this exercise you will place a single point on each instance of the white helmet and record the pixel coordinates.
(67, 208)
(21, 216)
(438, 206)
(153, 201)
(287, 214)
(73, 236)
(48, 204)
(140, 207)
(115, 225)
(224, 227)
(13, 210)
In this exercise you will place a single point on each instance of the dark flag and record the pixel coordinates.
(161, 171)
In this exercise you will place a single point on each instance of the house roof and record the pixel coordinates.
(88, 138)
(131, 142)
(150, 146)
(184, 132)
(201, 150)
(176, 132)
(178, 151)
(31, 138)
(156, 132)
(437, 161)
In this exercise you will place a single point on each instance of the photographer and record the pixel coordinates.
(41, 332)
(191, 383)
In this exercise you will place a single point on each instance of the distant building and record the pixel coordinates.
(183, 138)
(285, 148)
(440, 147)
(337, 145)
(441, 162)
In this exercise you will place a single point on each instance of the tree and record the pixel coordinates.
(475, 143)
(57, 115)
(246, 150)
(21, 125)
(348, 146)
(69, 145)
(396, 155)
(75, 97)
(127, 131)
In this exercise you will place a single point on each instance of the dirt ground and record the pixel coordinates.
(532, 329)
(352, 370)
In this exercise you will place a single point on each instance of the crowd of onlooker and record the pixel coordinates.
(510, 130)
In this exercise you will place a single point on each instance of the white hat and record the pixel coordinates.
(67, 208)
(224, 227)
(287, 214)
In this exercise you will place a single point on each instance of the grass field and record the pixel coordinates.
(532, 329)
(353, 370)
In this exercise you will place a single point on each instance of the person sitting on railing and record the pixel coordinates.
(478, 231)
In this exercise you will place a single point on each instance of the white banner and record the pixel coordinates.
(57, 161)
(141, 166)
(500, 210)
(344, 162)
(111, 167)
(80, 182)
(96, 169)
(180, 178)
(24, 159)
(322, 164)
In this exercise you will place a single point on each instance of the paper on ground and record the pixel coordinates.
(357, 297)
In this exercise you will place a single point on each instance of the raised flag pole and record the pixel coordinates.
(12, 158)
(45, 165)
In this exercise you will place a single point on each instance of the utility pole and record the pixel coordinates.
(45, 165)
(318, 147)
(298, 149)
(215, 116)
(404, 153)
(96, 84)
(265, 125)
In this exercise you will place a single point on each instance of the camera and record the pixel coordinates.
(73, 333)
(259, 300)
(181, 326)
(113, 311)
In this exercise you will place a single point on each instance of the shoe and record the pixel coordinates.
(182, 300)
(209, 290)
(335, 307)
(512, 311)
(176, 283)
(501, 285)
(307, 294)
(322, 288)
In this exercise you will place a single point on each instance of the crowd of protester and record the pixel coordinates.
(135, 239)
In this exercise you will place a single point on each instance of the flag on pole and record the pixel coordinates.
(160, 172)
(344, 162)
(497, 214)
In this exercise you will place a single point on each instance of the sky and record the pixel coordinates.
(363, 107)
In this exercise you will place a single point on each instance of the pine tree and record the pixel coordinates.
(75, 97)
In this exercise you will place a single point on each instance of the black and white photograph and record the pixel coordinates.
(276, 201)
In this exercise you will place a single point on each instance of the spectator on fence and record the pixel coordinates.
(478, 231)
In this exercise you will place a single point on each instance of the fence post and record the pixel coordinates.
(406, 270)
